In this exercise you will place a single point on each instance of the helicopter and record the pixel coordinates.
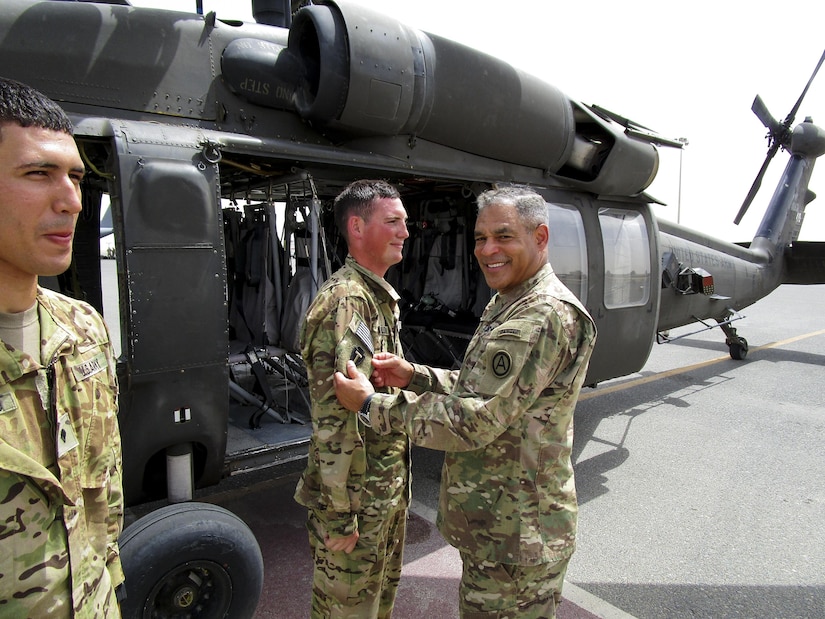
(219, 146)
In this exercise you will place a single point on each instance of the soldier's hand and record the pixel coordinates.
(337, 544)
(389, 370)
(351, 392)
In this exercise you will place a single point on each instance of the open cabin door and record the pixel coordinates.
(174, 377)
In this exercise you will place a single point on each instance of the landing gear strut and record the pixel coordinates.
(738, 346)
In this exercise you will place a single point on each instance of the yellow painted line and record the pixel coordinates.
(599, 391)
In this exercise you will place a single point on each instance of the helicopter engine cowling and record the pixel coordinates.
(351, 72)
(368, 74)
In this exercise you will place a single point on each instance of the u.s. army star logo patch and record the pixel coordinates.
(502, 363)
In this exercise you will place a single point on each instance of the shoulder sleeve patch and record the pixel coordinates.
(503, 356)
(501, 363)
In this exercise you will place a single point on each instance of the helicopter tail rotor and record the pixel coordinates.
(779, 136)
(761, 110)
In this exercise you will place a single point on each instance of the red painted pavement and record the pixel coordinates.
(429, 581)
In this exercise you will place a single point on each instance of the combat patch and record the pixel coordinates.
(356, 345)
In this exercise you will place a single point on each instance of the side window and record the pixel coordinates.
(108, 276)
(568, 248)
(626, 258)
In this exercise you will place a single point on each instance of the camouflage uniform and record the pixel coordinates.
(355, 479)
(61, 501)
(505, 420)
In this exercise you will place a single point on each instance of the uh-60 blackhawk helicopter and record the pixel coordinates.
(219, 147)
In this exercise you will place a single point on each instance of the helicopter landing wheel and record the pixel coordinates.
(193, 561)
(738, 349)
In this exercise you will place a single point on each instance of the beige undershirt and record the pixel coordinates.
(34, 436)
(22, 330)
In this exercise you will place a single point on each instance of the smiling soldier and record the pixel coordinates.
(505, 419)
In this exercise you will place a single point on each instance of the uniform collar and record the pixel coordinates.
(500, 301)
(54, 338)
(373, 280)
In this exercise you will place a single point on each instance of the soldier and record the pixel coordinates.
(356, 484)
(61, 502)
(508, 498)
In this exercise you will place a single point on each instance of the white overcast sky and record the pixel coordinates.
(683, 69)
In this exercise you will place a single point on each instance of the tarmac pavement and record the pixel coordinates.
(700, 479)
(700, 484)
(430, 576)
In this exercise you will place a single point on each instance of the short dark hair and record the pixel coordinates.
(23, 105)
(359, 198)
(530, 206)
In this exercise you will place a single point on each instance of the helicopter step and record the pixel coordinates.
(737, 345)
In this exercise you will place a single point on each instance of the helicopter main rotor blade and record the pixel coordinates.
(654, 138)
(618, 118)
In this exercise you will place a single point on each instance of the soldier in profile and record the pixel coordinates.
(61, 501)
(505, 419)
(356, 484)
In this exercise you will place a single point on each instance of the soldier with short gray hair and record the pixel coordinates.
(505, 419)
(61, 501)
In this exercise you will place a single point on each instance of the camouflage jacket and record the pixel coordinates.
(505, 420)
(61, 502)
(351, 470)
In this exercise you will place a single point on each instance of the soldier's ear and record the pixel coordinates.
(355, 226)
(542, 235)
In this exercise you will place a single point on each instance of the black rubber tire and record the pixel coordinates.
(739, 350)
(192, 560)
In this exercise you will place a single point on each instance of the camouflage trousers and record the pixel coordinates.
(362, 584)
(491, 590)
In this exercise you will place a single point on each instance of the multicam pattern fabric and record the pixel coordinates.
(505, 420)
(61, 501)
(363, 583)
(353, 474)
(508, 591)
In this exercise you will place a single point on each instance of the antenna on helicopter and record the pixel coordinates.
(779, 135)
